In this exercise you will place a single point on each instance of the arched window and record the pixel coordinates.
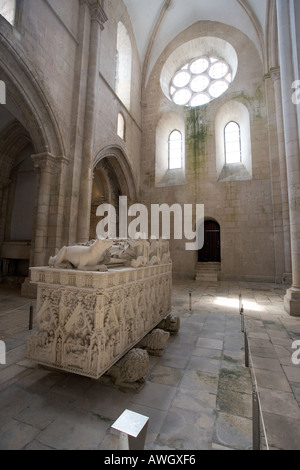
(123, 65)
(175, 150)
(8, 10)
(121, 126)
(232, 142)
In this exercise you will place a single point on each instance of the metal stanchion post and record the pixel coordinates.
(241, 308)
(246, 350)
(190, 300)
(30, 317)
(255, 420)
(242, 323)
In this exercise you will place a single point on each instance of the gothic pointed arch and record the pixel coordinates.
(26, 92)
(115, 159)
(113, 177)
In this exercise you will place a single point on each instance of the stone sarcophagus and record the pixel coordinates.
(87, 320)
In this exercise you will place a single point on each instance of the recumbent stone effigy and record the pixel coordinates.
(93, 308)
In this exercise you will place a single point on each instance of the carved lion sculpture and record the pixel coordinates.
(84, 258)
(155, 342)
(131, 369)
(171, 324)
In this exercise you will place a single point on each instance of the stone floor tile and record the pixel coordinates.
(282, 432)
(36, 445)
(296, 390)
(266, 363)
(219, 447)
(104, 401)
(264, 349)
(175, 360)
(73, 385)
(194, 400)
(75, 430)
(233, 431)
(158, 396)
(284, 354)
(234, 403)
(234, 343)
(230, 380)
(10, 373)
(165, 375)
(14, 399)
(279, 402)
(208, 353)
(232, 365)
(272, 380)
(210, 332)
(204, 364)
(15, 435)
(293, 373)
(231, 355)
(186, 430)
(210, 343)
(44, 409)
(109, 442)
(40, 380)
(201, 381)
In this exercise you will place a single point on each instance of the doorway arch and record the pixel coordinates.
(211, 251)
(112, 178)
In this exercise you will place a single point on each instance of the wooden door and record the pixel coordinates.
(211, 251)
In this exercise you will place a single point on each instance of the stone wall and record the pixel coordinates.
(242, 206)
(60, 66)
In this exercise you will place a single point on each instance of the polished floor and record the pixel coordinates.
(198, 395)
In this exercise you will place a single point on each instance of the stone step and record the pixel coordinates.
(208, 266)
(207, 271)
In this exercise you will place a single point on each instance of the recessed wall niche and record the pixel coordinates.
(233, 111)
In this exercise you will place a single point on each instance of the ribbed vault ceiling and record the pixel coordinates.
(157, 22)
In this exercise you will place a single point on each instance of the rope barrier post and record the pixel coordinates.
(242, 323)
(255, 420)
(30, 317)
(241, 309)
(246, 350)
(190, 300)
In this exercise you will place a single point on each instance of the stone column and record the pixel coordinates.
(58, 209)
(286, 27)
(78, 115)
(44, 164)
(275, 75)
(98, 18)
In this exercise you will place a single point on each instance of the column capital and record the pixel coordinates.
(275, 73)
(46, 162)
(97, 12)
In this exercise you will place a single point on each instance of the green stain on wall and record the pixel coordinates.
(255, 102)
(196, 132)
